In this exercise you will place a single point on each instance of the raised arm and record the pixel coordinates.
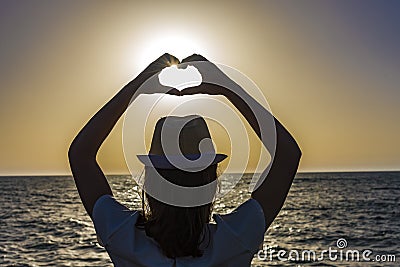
(271, 194)
(89, 178)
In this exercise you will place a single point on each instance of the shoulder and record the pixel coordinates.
(246, 223)
(109, 215)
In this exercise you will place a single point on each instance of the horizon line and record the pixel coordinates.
(300, 172)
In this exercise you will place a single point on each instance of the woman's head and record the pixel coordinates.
(181, 142)
(178, 230)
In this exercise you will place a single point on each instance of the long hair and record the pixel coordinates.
(179, 231)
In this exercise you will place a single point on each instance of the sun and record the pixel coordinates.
(179, 44)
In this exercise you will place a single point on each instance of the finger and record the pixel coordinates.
(174, 91)
(194, 57)
(167, 60)
(203, 88)
(172, 60)
(167, 56)
(189, 91)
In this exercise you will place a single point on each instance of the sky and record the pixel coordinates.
(329, 70)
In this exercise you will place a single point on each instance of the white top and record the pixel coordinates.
(235, 237)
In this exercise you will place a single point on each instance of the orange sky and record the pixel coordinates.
(329, 70)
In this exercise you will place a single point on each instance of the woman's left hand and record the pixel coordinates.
(166, 60)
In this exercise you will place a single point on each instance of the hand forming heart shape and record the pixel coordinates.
(191, 76)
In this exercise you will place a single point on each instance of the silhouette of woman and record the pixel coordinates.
(166, 235)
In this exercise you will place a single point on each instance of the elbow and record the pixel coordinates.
(76, 151)
(297, 151)
(79, 152)
(73, 152)
(294, 153)
(294, 148)
(288, 144)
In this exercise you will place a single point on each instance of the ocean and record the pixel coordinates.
(43, 223)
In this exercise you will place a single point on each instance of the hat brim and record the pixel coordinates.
(162, 162)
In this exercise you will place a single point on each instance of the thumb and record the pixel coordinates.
(174, 91)
(166, 60)
(191, 90)
(194, 57)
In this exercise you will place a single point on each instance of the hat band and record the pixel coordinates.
(191, 161)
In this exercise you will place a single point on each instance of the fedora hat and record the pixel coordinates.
(181, 143)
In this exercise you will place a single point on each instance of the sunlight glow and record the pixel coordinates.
(180, 45)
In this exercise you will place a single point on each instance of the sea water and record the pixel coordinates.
(43, 223)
